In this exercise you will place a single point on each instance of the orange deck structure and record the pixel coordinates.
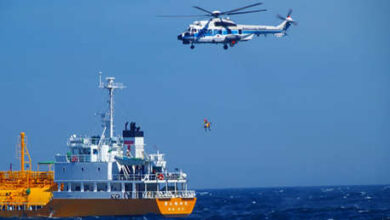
(25, 189)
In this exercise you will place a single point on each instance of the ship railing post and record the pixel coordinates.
(82, 187)
(108, 186)
(69, 187)
(175, 189)
(146, 190)
(123, 187)
(94, 187)
(134, 191)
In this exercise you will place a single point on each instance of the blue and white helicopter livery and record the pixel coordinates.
(218, 30)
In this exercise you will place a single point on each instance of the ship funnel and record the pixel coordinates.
(133, 141)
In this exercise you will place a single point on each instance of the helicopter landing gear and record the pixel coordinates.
(192, 47)
(225, 46)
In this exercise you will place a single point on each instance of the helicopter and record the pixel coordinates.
(218, 30)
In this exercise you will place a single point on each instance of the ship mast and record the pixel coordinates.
(110, 85)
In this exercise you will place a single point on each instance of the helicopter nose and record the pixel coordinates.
(180, 37)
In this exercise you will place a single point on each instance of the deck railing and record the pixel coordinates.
(168, 194)
(15, 178)
(150, 177)
(74, 158)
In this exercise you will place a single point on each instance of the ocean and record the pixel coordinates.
(327, 202)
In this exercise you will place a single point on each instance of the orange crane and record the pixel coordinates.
(25, 189)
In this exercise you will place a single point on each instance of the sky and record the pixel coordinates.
(308, 109)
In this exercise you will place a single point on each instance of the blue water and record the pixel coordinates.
(330, 202)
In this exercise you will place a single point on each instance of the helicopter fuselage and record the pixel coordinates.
(225, 31)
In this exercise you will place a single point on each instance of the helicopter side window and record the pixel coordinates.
(240, 31)
(224, 24)
(219, 31)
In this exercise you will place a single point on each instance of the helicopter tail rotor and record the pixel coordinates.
(288, 18)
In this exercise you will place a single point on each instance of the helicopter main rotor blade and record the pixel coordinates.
(294, 23)
(204, 10)
(182, 16)
(242, 8)
(289, 12)
(280, 17)
(246, 12)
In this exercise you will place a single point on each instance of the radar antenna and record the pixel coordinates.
(110, 85)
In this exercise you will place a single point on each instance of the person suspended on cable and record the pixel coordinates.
(206, 125)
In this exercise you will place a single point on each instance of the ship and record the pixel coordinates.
(102, 175)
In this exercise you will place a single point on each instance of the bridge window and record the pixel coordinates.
(240, 31)
(95, 151)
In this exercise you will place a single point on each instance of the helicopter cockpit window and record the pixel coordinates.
(224, 24)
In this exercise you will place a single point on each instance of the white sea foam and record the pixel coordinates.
(327, 190)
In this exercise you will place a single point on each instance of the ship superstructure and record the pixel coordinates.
(115, 170)
(113, 175)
